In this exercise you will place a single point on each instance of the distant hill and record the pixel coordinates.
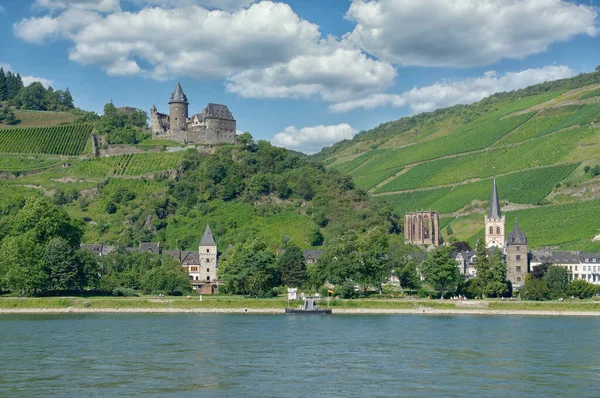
(543, 143)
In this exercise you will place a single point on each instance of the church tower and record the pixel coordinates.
(207, 253)
(494, 222)
(178, 107)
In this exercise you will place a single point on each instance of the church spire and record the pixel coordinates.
(208, 239)
(495, 203)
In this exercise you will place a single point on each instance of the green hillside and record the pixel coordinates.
(542, 143)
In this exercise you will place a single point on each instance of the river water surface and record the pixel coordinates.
(213, 355)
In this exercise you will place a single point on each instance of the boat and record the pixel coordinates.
(309, 307)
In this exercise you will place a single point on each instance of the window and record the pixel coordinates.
(518, 257)
(575, 268)
(208, 250)
(194, 269)
(518, 279)
(594, 268)
(518, 248)
(208, 270)
(498, 230)
(491, 230)
(587, 260)
(518, 268)
(208, 278)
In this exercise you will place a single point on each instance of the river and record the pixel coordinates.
(214, 355)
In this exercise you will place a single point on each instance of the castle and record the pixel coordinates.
(215, 125)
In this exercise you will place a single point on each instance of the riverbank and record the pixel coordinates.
(277, 305)
(336, 311)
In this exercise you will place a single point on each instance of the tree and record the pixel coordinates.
(249, 267)
(60, 264)
(373, 248)
(315, 237)
(598, 68)
(409, 275)
(167, 278)
(582, 289)
(482, 266)
(440, 269)
(461, 246)
(292, 266)
(341, 261)
(66, 99)
(3, 87)
(497, 284)
(33, 97)
(534, 289)
(557, 279)
(245, 139)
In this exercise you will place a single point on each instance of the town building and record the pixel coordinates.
(312, 256)
(581, 265)
(422, 228)
(215, 125)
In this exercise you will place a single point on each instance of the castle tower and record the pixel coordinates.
(207, 253)
(516, 257)
(178, 110)
(494, 222)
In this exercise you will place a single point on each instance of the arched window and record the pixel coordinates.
(498, 230)
(491, 230)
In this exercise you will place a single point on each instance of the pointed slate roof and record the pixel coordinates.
(208, 239)
(516, 236)
(495, 203)
(178, 95)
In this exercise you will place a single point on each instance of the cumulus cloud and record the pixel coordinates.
(227, 5)
(94, 5)
(265, 50)
(27, 80)
(465, 32)
(334, 74)
(312, 139)
(448, 93)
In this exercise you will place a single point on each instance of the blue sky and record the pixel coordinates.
(302, 73)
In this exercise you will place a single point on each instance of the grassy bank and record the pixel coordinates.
(233, 302)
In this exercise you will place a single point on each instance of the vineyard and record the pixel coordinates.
(127, 165)
(68, 140)
(540, 152)
(14, 163)
(527, 187)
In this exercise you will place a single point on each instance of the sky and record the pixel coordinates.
(303, 74)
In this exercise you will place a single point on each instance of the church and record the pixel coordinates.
(215, 125)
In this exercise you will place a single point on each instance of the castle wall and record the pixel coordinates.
(220, 131)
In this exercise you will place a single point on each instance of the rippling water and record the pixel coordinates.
(210, 355)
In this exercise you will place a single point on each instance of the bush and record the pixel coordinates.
(346, 290)
(582, 289)
(125, 292)
(535, 289)
(87, 304)
(423, 293)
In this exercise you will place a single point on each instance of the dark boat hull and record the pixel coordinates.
(307, 312)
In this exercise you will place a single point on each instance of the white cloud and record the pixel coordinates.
(313, 139)
(465, 32)
(94, 5)
(27, 80)
(335, 74)
(227, 5)
(265, 50)
(449, 93)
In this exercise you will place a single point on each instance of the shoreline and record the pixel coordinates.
(281, 311)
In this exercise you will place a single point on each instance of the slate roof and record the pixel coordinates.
(217, 111)
(93, 248)
(176, 254)
(149, 247)
(495, 203)
(178, 95)
(565, 258)
(590, 257)
(207, 238)
(516, 236)
(190, 258)
(108, 249)
(312, 254)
